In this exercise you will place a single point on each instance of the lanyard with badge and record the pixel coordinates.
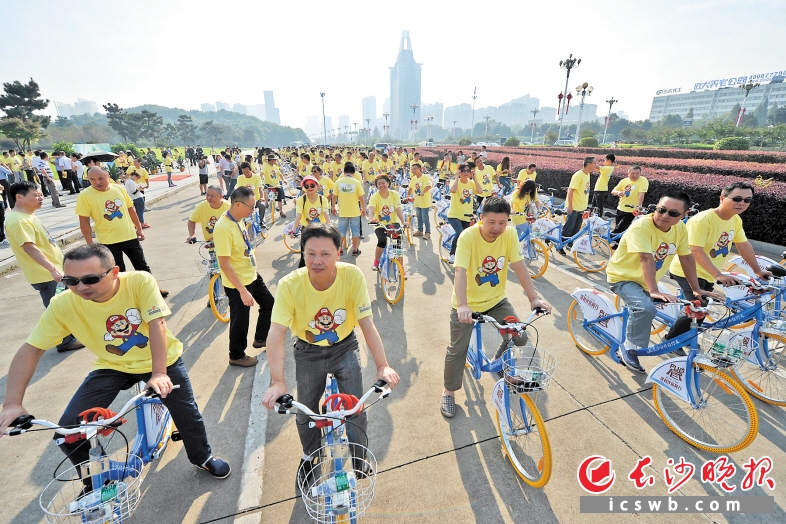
(249, 252)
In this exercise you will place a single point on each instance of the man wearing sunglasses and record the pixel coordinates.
(121, 318)
(643, 257)
(711, 234)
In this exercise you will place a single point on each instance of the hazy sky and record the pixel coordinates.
(183, 53)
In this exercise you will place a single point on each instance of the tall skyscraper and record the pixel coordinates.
(404, 90)
(271, 111)
(82, 107)
(239, 108)
(222, 105)
(370, 109)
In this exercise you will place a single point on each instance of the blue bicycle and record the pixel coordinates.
(340, 484)
(391, 268)
(522, 373)
(590, 252)
(447, 234)
(114, 480)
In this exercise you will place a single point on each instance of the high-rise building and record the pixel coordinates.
(208, 107)
(271, 111)
(343, 120)
(257, 110)
(81, 107)
(404, 90)
(239, 108)
(461, 113)
(222, 105)
(547, 114)
(435, 110)
(370, 109)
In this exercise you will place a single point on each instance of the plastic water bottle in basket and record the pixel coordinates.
(528, 369)
(725, 348)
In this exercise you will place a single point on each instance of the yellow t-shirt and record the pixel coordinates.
(523, 175)
(322, 317)
(420, 187)
(461, 200)
(109, 211)
(312, 212)
(521, 205)
(644, 237)
(602, 183)
(445, 168)
(487, 266)
(370, 170)
(206, 216)
(328, 186)
(21, 228)
(231, 240)
(168, 164)
(715, 235)
(631, 191)
(336, 169)
(121, 162)
(580, 181)
(349, 190)
(116, 330)
(486, 178)
(304, 170)
(386, 167)
(500, 173)
(253, 182)
(326, 166)
(271, 175)
(144, 176)
(385, 208)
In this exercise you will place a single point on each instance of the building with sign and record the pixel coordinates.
(716, 98)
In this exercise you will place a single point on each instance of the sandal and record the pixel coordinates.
(447, 405)
(355, 253)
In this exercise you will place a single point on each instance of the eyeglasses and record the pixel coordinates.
(246, 204)
(466, 171)
(738, 199)
(87, 280)
(309, 186)
(315, 171)
(672, 212)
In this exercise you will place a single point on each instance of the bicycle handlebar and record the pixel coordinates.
(21, 424)
(286, 402)
(507, 326)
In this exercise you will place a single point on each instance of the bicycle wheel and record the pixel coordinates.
(767, 383)
(393, 282)
(292, 242)
(539, 258)
(545, 213)
(596, 261)
(526, 444)
(219, 302)
(444, 251)
(408, 231)
(724, 420)
(583, 339)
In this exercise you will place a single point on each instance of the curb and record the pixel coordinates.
(75, 235)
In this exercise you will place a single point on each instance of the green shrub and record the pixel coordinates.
(464, 142)
(116, 148)
(735, 143)
(588, 141)
(66, 147)
(550, 138)
(512, 141)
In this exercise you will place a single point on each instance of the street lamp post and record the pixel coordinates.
(415, 127)
(454, 128)
(569, 63)
(741, 113)
(368, 126)
(608, 118)
(532, 135)
(472, 126)
(429, 119)
(324, 125)
(386, 115)
(583, 90)
(486, 128)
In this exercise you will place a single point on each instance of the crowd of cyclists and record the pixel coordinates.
(331, 190)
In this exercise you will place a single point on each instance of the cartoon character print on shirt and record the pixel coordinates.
(466, 195)
(487, 272)
(486, 179)
(124, 327)
(384, 213)
(325, 323)
(313, 216)
(112, 209)
(723, 244)
(417, 189)
(211, 224)
(586, 189)
(628, 189)
(663, 251)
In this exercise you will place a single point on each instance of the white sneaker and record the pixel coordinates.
(452, 259)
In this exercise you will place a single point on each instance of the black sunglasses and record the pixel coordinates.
(309, 186)
(747, 200)
(87, 280)
(672, 212)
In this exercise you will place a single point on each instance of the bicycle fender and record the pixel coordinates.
(672, 375)
(740, 264)
(597, 305)
(498, 400)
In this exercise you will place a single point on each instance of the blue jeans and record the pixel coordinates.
(505, 182)
(458, 226)
(47, 290)
(423, 218)
(352, 222)
(100, 388)
(139, 207)
(312, 364)
(642, 311)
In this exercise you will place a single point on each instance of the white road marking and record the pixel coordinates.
(254, 455)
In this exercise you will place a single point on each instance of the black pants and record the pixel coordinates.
(30, 175)
(599, 199)
(65, 181)
(239, 314)
(623, 222)
(572, 224)
(73, 179)
(682, 324)
(6, 188)
(101, 387)
(133, 250)
(2, 222)
(39, 179)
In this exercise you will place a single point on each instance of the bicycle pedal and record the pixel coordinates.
(176, 436)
